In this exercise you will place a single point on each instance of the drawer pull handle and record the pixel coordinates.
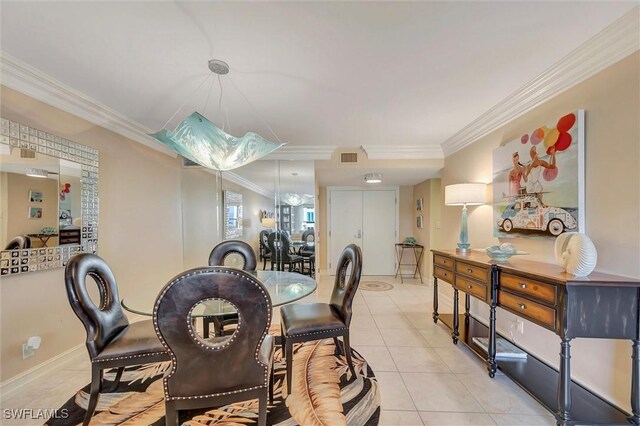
(469, 270)
(522, 306)
(469, 286)
(522, 285)
(444, 273)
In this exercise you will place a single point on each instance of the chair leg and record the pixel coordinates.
(94, 393)
(347, 350)
(117, 380)
(205, 327)
(171, 414)
(289, 355)
(271, 384)
(262, 409)
(335, 342)
(264, 265)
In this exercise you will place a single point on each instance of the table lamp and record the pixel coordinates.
(464, 194)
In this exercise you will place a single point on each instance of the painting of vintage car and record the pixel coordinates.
(528, 212)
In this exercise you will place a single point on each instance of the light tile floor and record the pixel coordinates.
(424, 379)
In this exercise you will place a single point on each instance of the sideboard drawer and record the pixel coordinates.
(526, 308)
(443, 274)
(473, 271)
(474, 288)
(443, 262)
(527, 287)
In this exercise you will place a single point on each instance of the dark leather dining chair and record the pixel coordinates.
(314, 321)
(217, 258)
(265, 253)
(19, 242)
(212, 373)
(280, 246)
(111, 341)
(308, 251)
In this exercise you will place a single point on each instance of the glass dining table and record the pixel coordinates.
(283, 287)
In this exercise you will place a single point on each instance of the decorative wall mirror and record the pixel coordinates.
(48, 199)
(232, 215)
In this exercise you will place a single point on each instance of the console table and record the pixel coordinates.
(598, 306)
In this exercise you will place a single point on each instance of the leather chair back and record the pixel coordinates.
(344, 291)
(264, 241)
(225, 248)
(279, 244)
(19, 242)
(104, 322)
(197, 367)
(308, 236)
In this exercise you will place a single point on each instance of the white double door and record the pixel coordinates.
(368, 218)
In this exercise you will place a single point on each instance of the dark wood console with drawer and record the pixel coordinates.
(597, 306)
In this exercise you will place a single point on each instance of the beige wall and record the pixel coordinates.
(18, 221)
(140, 234)
(612, 103)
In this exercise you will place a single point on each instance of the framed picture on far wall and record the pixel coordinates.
(420, 222)
(35, 196)
(35, 213)
(420, 204)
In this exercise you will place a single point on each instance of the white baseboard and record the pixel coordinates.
(11, 385)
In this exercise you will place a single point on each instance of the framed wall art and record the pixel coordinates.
(539, 182)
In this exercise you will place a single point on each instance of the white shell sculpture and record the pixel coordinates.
(576, 253)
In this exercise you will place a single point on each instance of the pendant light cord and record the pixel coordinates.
(188, 99)
(254, 109)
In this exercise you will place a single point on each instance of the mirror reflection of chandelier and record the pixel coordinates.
(199, 140)
(295, 199)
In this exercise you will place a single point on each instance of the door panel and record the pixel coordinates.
(379, 232)
(346, 223)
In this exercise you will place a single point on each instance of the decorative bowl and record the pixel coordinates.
(502, 252)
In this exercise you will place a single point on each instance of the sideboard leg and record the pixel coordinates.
(456, 320)
(467, 305)
(635, 383)
(492, 366)
(564, 382)
(435, 300)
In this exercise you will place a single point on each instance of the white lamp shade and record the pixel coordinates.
(472, 194)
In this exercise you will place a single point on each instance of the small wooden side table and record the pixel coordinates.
(417, 254)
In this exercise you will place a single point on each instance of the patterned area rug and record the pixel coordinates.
(375, 286)
(323, 392)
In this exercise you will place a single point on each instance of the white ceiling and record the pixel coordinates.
(319, 73)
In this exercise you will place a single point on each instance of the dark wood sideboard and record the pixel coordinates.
(598, 306)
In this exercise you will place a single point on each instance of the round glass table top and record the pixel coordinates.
(283, 287)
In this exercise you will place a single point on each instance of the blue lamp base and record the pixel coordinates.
(463, 244)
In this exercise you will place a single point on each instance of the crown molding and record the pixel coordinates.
(239, 180)
(617, 41)
(310, 152)
(423, 152)
(26, 79)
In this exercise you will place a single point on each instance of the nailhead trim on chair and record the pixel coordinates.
(103, 291)
(172, 355)
(317, 332)
(149, 354)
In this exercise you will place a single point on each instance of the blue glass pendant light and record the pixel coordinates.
(199, 140)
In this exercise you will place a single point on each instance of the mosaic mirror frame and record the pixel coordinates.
(20, 261)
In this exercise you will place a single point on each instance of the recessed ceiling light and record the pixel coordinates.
(38, 173)
(373, 177)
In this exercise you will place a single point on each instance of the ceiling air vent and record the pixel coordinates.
(26, 153)
(349, 157)
(186, 163)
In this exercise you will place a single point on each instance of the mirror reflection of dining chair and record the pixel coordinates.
(265, 253)
(212, 372)
(308, 251)
(280, 246)
(18, 243)
(217, 258)
(304, 322)
(111, 341)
